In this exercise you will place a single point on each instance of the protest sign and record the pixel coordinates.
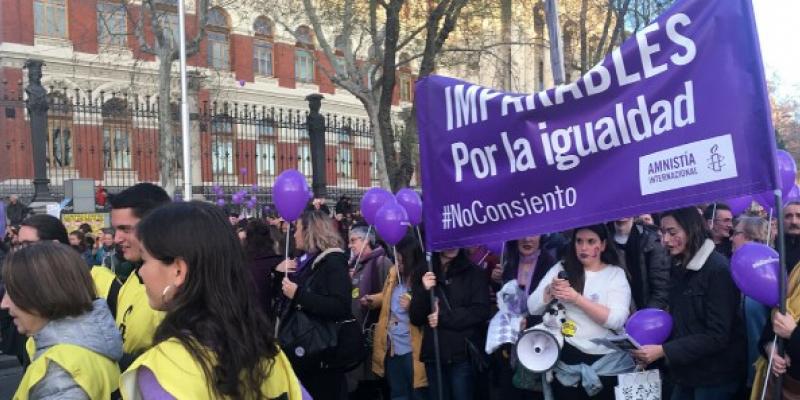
(678, 115)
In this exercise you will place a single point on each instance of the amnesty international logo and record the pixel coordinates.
(716, 162)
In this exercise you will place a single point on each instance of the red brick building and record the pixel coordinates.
(248, 108)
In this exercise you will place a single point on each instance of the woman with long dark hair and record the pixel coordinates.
(321, 288)
(261, 255)
(214, 342)
(707, 350)
(397, 343)
(525, 263)
(597, 298)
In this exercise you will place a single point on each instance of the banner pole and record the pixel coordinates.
(554, 30)
(781, 283)
(436, 351)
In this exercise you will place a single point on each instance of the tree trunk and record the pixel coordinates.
(388, 79)
(380, 154)
(166, 150)
(584, 41)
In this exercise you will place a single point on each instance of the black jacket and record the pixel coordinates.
(466, 289)
(792, 251)
(648, 264)
(17, 212)
(707, 346)
(328, 294)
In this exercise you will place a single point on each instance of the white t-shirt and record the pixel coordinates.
(608, 287)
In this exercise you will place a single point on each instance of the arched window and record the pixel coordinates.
(303, 35)
(116, 136)
(218, 32)
(262, 46)
(303, 57)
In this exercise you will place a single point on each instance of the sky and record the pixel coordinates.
(777, 29)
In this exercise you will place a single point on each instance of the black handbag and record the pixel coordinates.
(310, 341)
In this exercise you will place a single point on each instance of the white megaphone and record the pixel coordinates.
(538, 349)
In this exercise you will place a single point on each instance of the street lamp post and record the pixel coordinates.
(37, 106)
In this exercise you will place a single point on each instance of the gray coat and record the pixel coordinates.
(94, 330)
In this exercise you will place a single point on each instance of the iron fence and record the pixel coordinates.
(114, 139)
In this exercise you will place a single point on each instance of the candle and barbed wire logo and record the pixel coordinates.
(716, 161)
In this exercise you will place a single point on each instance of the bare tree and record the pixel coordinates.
(367, 69)
(162, 23)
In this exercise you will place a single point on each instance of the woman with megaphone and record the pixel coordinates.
(597, 298)
(706, 351)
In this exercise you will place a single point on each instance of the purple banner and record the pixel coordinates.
(678, 115)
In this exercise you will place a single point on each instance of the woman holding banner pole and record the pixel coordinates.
(706, 351)
(461, 309)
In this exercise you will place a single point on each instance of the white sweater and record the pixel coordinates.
(608, 287)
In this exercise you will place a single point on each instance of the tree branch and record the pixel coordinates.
(139, 28)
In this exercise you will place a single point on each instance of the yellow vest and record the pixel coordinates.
(96, 374)
(135, 319)
(180, 375)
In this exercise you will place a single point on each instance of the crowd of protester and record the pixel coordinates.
(191, 300)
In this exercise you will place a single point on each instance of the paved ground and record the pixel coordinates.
(10, 375)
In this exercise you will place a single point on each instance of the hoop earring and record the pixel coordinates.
(164, 294)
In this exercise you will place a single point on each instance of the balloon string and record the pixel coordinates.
(769, 368)
(419, 237)
(288, 230)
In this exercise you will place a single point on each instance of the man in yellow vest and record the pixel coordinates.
(128, 301)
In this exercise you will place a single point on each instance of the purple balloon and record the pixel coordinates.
(787, 171)
(411, 201)
(794, 195)
(372, 201)
(2, 218)
(649, 326)
(755, 271)
(391, 222)
(738, 205)
(221, 202)
(237, 198)
(291, 193)
(243, 170)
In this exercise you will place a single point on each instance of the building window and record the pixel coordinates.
(345, 165)
(111, 24)
(265, 159)
(303, 66)
(116, 147)
(265, 127)
(262, 58)
(49, 18)
(218, 47)
(262, 27)
(304, 159)
(303, 35)
(59, 144)
(222, 156)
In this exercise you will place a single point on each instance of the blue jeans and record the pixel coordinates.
(725, 391)
(400, 375)
(756, 316)
(458, 381)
